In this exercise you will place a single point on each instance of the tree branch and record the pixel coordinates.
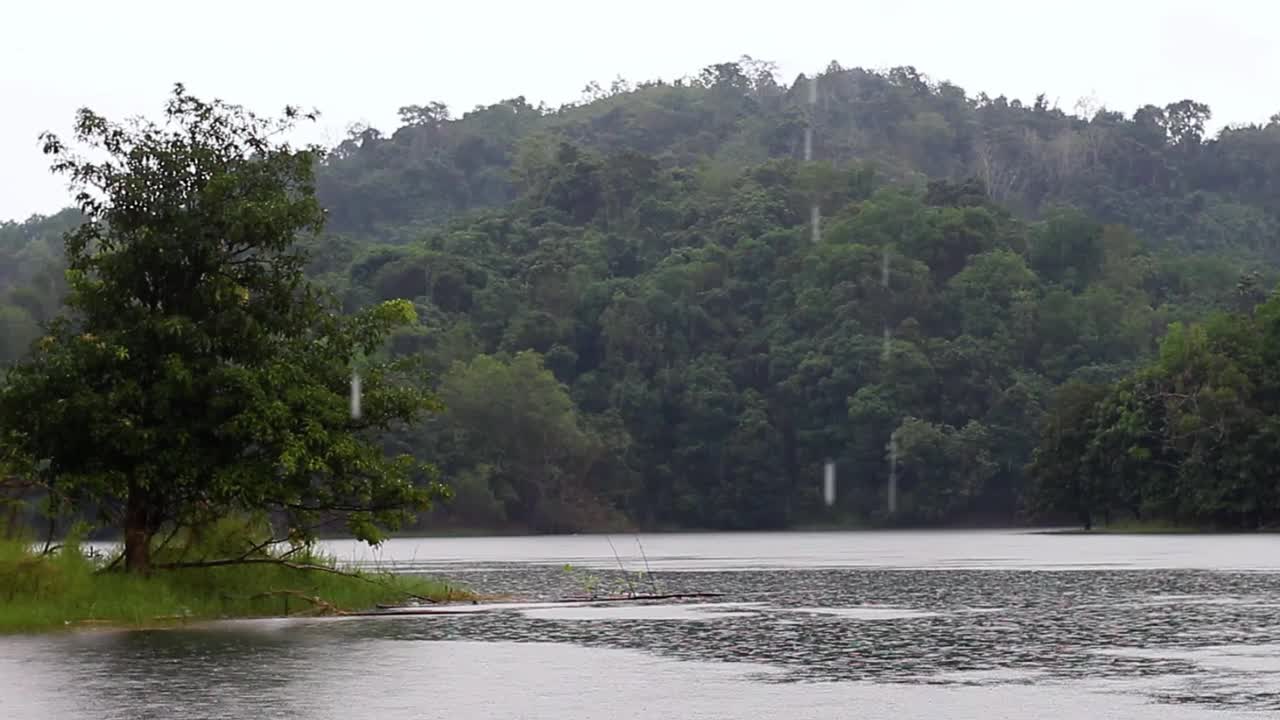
(48, 539)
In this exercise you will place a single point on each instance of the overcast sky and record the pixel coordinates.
(360, 61)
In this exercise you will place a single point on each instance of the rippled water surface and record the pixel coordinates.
(823, 625)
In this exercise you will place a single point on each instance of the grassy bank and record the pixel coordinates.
(67, 588)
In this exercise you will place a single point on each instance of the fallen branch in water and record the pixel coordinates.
(317, 605)
(403, 610)
(473, 599)
(640, 596)
(498, 607)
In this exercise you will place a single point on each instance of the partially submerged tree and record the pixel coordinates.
(197, 372)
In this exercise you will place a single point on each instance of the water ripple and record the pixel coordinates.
(909, 626)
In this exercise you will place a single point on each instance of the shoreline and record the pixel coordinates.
(1153, 531)
(72, 589)
(1025, 529)
(68, 590)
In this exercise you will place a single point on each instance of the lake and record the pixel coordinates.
(981, 624)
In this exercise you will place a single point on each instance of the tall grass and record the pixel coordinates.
(70, 587)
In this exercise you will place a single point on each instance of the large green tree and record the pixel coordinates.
(197, 373)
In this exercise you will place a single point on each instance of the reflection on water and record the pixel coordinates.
(369, 678)
(816, 640)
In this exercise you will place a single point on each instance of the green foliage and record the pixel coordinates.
(197, 372)
(1189, 439)
(1058, 464)
(519, 446)
(694, 364)
(1155, 170)
(941, 469)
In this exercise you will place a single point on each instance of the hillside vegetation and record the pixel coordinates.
(631, 320)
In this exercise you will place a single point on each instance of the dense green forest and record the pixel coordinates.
(1192, 438)
(633, 320)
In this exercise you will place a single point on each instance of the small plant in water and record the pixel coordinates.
(589, 583)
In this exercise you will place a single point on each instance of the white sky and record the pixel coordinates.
(360, 61)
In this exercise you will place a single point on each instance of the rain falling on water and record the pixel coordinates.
(815, 216)
(355, 396)
(886, 354)
(886, 349)
(829, 483)
(893, 472)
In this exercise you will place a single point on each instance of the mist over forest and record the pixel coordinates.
(1016, 312)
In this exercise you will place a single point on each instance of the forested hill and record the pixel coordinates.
(632, 321)
(1154, 169)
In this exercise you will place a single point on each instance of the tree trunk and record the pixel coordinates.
(11, 524)
(137, 533)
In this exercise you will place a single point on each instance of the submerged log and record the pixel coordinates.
(624, 598)
(409, 611)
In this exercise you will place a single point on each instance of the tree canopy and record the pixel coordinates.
(1190, 438)
(196, 371)
(1156, 170)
